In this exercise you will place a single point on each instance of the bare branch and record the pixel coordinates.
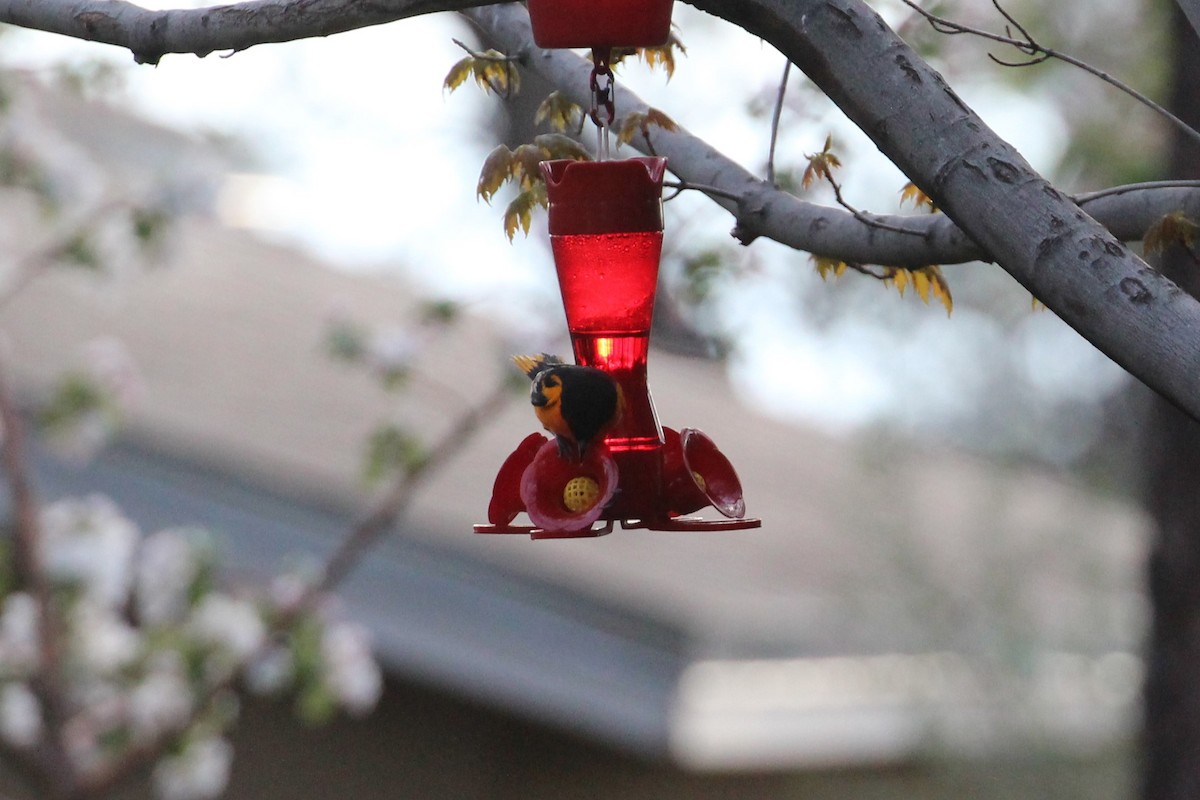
(775, 115)
(150, 35)
(1039, 53)
(395, 503)
(48, 762)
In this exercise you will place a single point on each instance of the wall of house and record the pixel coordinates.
(425, 745)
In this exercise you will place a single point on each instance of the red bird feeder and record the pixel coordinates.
(606, 232)
(600, 23)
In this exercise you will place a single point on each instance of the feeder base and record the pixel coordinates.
(671, 524)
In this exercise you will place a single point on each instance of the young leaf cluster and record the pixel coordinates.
(661, 57)
(641, 122)
(821, 164)
(521, 168)
(911, 193)
(927, 282)
(1174, 228)
(493, 72)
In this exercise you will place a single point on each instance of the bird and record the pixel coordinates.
(575, 403)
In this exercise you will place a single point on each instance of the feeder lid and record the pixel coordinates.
(605, 196)
(600, 23)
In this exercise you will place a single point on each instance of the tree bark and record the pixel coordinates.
(1171, 736)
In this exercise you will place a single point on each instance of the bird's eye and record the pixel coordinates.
(550, 381)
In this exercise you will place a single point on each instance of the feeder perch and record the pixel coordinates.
(600, 23)
(606, 233)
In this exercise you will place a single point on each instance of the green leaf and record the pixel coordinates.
(75, 395)
(440, 312)
(393, 449)
(459, 73)
(558, 146)
(562, 114)
(519, 213)
(641, 122)
(1174, 228)
(497, 168)
(525, 164)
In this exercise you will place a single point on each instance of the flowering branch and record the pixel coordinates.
(49, 762)
(396, 501)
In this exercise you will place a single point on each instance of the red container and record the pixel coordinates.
(600, 23)
(606, 227)
(606, 231)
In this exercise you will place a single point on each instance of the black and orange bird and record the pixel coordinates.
(575, 403)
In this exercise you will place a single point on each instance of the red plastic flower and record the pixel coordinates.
(562, 494)
(697, 474)
(506, 491)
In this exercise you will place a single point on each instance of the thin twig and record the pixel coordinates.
(711, 191)
(395, 503)
(862, 216)
(1087, 197)
(1041, 53)
(498, 57)
(33, 263)
(56, 768)
(775, 116)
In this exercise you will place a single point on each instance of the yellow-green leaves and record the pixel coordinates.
(520, 167)
(519, 213)
(661, 57)
(636, 122)
(1174, 228)
(910, 193)
(561, 113)
(927, 282)
(493, 72)
(828, 266)
(821, 165)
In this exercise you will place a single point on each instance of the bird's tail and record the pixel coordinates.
(532, 365)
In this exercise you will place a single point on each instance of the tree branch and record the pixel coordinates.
(1037, 53)
(150, 35)
(1067, 260)
(47, 762)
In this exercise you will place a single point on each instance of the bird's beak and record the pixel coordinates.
(538, 399)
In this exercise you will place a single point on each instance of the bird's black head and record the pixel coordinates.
(547, 388)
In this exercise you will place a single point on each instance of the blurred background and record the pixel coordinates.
(947, 592)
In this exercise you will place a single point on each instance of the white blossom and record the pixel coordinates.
(229, 623)
(109, 363)
(288, 589)
(392, 350)
(163, 699)
(19, 637)
(200, 772)
(103, 641)
(166, 569)
(271, 672)
(90, 542)
(20, 715)
(86, 435)
(351, 673)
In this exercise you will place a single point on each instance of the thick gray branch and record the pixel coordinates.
(150, 35)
